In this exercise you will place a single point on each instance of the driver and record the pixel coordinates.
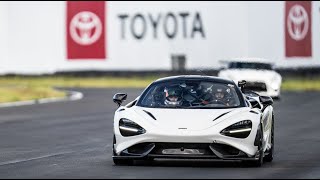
(222, 96)
(173, 96)
(219, 94)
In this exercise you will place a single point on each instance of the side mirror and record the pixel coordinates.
(242, 84)
(119, 98)
(266, 100)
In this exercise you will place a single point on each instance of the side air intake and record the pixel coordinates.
(151, 115)
(221, 115)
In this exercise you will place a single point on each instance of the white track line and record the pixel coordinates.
(34, 158)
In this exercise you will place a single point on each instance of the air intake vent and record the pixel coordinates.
(150, 114)
(253, 112)
(221, 115)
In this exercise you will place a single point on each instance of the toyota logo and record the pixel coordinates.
(297, 22)
(85, 28)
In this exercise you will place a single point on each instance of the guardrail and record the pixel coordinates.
(304, 72)
(301, 72)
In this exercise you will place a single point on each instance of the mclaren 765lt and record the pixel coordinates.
(194, 117)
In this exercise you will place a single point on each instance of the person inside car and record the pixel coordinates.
(223, 96)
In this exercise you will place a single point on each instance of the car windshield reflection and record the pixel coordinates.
(190, 94)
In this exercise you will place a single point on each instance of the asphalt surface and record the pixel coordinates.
(73, 140)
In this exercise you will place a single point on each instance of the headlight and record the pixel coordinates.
(274, 86)
(276, 80)
(240, 129)
(130, 128)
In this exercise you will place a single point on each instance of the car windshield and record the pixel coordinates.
(247, 65)
(190, 94)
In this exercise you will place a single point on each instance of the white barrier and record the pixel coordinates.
(143, 35)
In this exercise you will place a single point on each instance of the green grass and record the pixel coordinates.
(78, 81)
(29, 88)
(301, 84)
(20, 88)
(23, 93)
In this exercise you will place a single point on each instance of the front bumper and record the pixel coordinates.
(208, 136)
(184, 151)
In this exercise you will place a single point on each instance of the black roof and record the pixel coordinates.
(196, 77)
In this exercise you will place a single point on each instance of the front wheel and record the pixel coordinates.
(276, 97)
(258, 162)
(269, 156)
(119, 161)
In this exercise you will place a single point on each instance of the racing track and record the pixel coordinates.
(73, 140)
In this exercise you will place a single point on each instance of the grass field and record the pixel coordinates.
(27, 88)
(301, 84)
(22, 93)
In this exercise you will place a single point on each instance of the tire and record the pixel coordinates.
(119, 161)
(113, 143)
(278, 98)
(259, 162)
(269, 156)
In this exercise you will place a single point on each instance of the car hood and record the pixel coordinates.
(190, 119)
(250, 75)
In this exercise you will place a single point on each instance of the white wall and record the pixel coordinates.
(267, 35)
(224, 25)
(36, 37)
(33, 38)
(3, 36)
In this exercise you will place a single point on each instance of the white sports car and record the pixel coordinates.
(259, 74)
(194, 117)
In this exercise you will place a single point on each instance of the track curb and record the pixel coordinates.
(71, 96)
